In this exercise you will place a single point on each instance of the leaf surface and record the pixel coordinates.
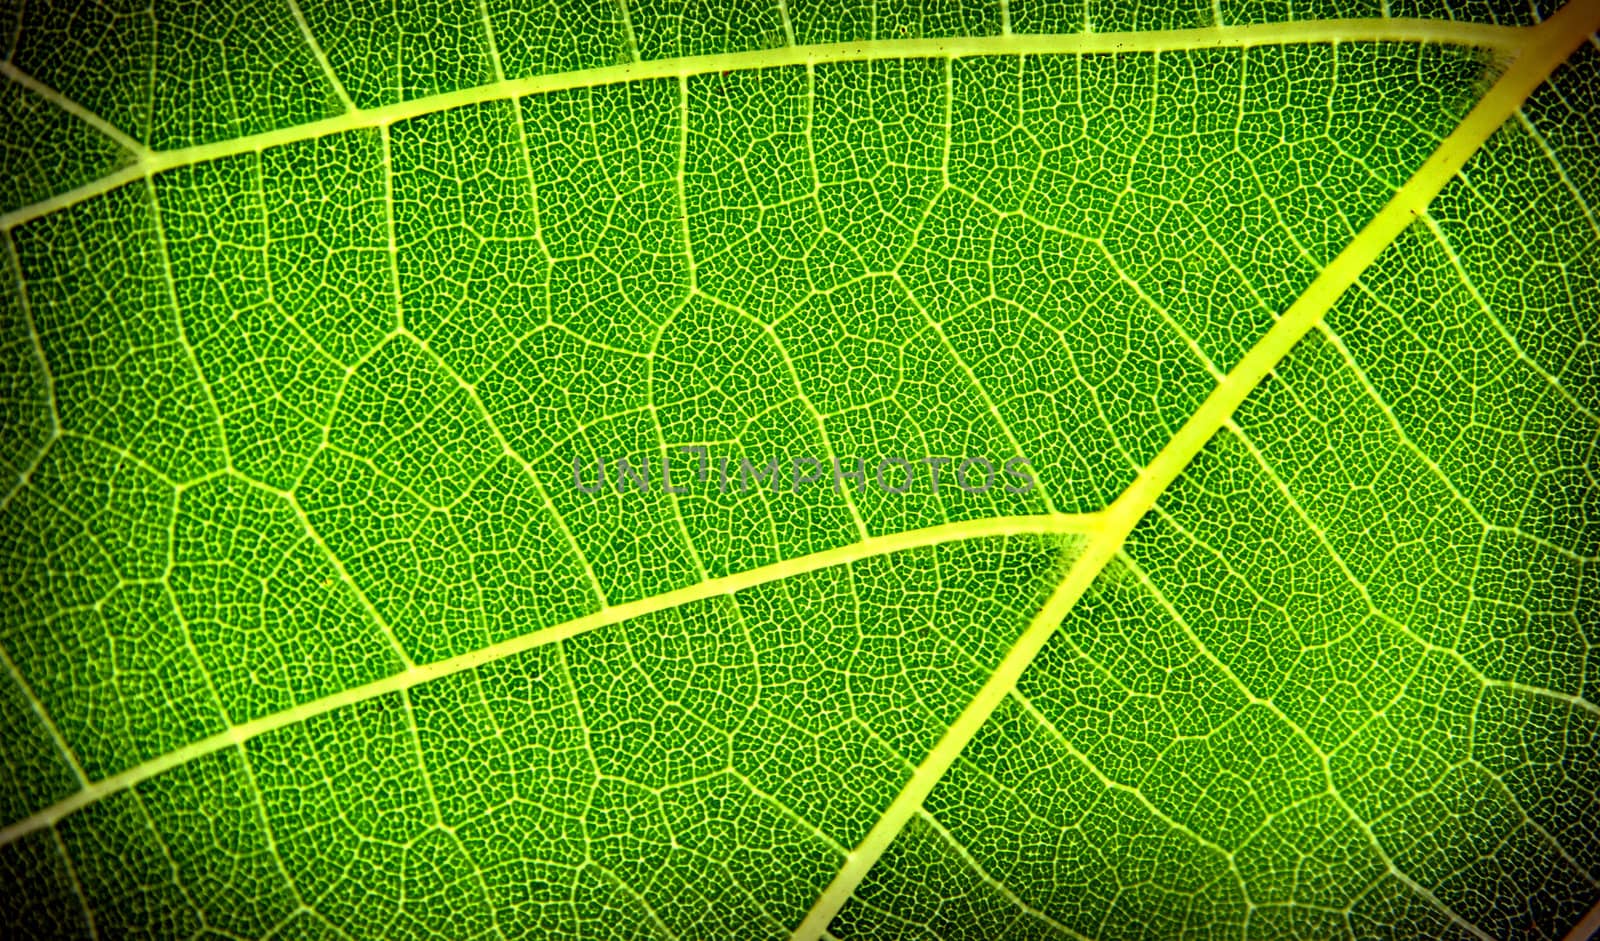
(310, 310)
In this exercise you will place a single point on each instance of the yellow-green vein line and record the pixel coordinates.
(1040, 525)
(1504, 38)
(1549, 44)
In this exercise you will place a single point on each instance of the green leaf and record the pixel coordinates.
(310, 310)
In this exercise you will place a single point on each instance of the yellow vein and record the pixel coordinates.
(321, 57)
(116, 134)
(1044, 524)
(43, 716)
(1504, 38)
(1549, 44)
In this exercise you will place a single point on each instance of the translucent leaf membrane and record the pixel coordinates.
(48, 150)
(1340, 685)
(309, 631)
(176, 73)
(696, 772)
(321, 405)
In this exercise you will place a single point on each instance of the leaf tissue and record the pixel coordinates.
(815, 469)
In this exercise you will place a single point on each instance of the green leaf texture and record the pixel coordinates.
(308, 309)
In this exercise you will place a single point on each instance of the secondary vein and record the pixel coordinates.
(1487, 36)
(1548, 45)
(1043, 524)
